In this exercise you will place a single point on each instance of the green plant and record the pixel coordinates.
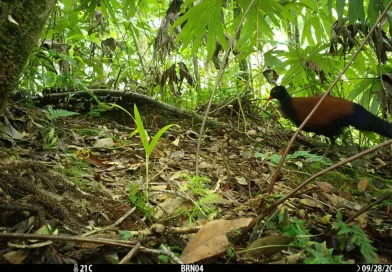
(53, 114)
(148, 146)
(125, 234)
(296, 228)
(197, 186)
(140, 200)
(50, 138)
(323, 255)
(355, 236)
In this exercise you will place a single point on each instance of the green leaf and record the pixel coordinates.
(55, 114)
(157, 136)
(142, 132)
(360, 11)
(352, 11)
(330, 8)
(340, 8)
(204, 16)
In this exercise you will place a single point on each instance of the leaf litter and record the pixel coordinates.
(92, 174)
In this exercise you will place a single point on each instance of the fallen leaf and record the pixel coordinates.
(242, 180)
(268, 245)
(325, 186)
(246, 154)
(362, 220)
(211, 239)
(291, 259)
(176, 141)
(12, 20)
(16, 257)
(252, 132)
(363, 184)
(205, 165)
(104, 143)
(299, 164)
(345, 195)
(312, 203)
(177, 154)
(168, 206)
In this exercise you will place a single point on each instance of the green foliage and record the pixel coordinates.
(87, 131)
(275, 158)
(323, 255)
(356, 236)
(148, 145)
(51, 139)
(197, 186)
(125, 234)
(295, 227)
(205, 15)
(53, 114)
(140, 200)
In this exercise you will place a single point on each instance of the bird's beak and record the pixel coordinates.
(269, 99)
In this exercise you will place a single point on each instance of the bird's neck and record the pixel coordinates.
(287, 108)
(285, 101)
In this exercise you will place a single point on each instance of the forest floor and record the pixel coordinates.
(83, 178)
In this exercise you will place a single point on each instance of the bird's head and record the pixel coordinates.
(278, 92)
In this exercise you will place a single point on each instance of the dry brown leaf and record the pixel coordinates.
(342, 202)
(16, 257)
(252, 132)
(211, 239)
(268, 245)
(177, 154)
(345, 195)
(291, 259)
(312, 203)
(363, 184)
(362, 220)
(325, 186)
(176, 141)
(241, 180)
(168, 206)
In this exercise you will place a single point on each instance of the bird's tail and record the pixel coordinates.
(363, 120)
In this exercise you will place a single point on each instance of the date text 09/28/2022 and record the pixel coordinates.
(374, 268)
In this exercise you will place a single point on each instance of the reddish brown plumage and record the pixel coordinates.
(332, 108)
(332, 116)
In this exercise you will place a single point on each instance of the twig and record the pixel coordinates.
(218, 79)
(102, 241)
(112, 226)
(130, 254)
(364, 209)
(358, 213)
(171, 254)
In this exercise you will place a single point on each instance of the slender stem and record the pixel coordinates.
(218, 79)
(147, 178)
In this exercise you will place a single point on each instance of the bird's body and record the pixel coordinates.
(332, 116)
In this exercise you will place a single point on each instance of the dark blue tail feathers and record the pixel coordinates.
(361, 119)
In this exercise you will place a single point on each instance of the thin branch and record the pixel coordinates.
(218, 79)
(101, 241)
(130, 254)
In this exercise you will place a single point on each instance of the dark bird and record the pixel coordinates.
(333, 115)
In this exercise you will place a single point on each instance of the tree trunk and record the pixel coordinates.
(21, 24)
